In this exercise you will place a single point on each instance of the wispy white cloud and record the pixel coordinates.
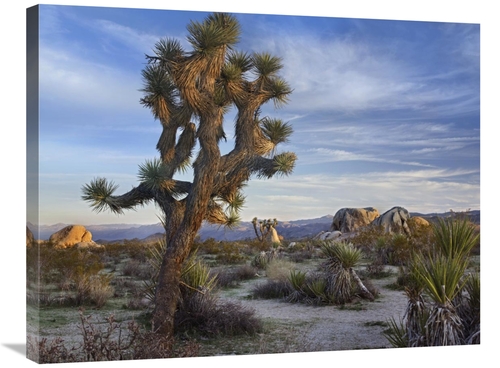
(322, 155)
(69, 78)
(351, 75)
(134, 39)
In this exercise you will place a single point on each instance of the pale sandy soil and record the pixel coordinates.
(330, 328)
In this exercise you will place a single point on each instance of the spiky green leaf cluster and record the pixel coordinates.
(455, 237)
(276, 131)
(217, 30)
(441, 276)
(284, 163)
(341, 254)
(153, 174)
(99, 192)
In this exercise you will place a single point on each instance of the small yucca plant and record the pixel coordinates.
(342, 257)
(195, 275)
(297, 280)
(397, 333)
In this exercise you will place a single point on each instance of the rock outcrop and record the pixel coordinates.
(394, 221)
(420, 221)
(328, 235)
(347, 220)
(70, 236)
(30, 239)
(90, 244)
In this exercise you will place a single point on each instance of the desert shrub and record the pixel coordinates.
(246, 272)
(368, 236)
(49, 351)
(232, 277)
(77, 273)
(225, 252)
(229, 253)
(138, 269)
(83, 269)
(400, 250)
(205, 314)
(301, 255)
(376, 269)
(257, 246)
(100, 289)
(316, 290)
(208, 246)
(227, 279)
(396, 334)
(272, 289)
(108, 340)
(261, 261)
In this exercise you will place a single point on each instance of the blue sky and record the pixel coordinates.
(384, 112)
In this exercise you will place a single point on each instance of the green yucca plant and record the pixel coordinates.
(470, 309)
(440, 274)
(317, 289)
(342, 257)
(442, 279)
(297, 280)
(195, 275)
(416, 311)
(455, 237)
(396, 333)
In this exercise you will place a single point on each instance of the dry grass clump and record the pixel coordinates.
(279, 269)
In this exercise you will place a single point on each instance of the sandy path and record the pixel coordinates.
(329, 328)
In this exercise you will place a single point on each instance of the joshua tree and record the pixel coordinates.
(190, 92)
(264, 228)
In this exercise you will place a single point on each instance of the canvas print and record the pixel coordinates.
(210, 184)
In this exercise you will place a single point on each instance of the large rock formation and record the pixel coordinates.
(394, 221)
(70, 236)
(347, 220)
(30, 239)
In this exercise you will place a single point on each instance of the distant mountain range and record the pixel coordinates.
(290, 230)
